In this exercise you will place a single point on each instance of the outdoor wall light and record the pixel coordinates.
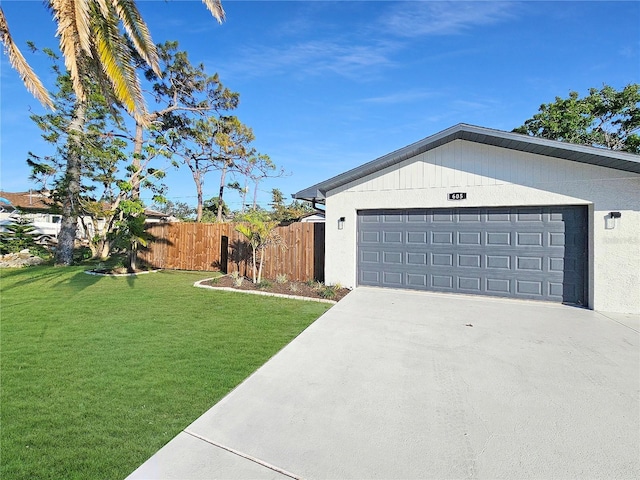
(341, 223)
(610, 220)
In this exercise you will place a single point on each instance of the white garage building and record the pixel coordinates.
(479, 211)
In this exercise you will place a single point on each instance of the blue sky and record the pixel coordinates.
(327, 86)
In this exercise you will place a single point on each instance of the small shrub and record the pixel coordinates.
(81, 254)
(281, 278)
(214, 281)
(21, 235)
(234, 275)
(237, 280)
(310, 283)
(328, 292)
(264, 284)
(294, 287)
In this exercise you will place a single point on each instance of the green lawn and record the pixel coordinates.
(98, 373)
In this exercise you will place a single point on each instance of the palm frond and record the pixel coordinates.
(115, 59)
(20, 65)
(138, 32)
(215, 7)
(64, 12)
(83, 21)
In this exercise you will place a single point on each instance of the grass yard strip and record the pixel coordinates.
(97, 373)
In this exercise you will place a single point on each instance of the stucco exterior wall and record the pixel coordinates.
(493, 176)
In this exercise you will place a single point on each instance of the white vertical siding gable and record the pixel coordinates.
(464, 164)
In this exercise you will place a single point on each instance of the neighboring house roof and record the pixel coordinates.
(155, 214)
(27, 201)
(42, 202)
(540, 146)
(313, 217)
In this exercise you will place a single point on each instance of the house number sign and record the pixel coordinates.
(457, 196)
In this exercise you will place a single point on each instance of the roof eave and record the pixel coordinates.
(514, 141)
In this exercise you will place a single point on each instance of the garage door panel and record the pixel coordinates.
(370, 237)
(392, 237)
(442, 259)
(392, 279)
(419, 258)
(442, 238)
(439, 282)
(369, 277)
(470, 217)
(536, 252)
(529, 288)
(469, 238)
(498, 261)
(392, 258)
(419, 238)
(498, 238)
(392, 218)
(417, 280)
(369, 257)
(417, 216)
(498, 286)
(469, 261)
(529, 263)
(472, 284)
(527, 239)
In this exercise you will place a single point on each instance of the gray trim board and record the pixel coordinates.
(551, 148)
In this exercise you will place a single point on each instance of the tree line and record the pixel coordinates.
(108, 143)
(99, 168)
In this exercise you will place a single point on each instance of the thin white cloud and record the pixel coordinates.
(312, 58)
(401, 97)
(412, 19)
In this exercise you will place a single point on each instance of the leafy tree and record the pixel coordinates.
(181, 210)
(255, 168)
(283, 213)
(261, 233)
(75, 130)
(204, 145)
(94, 46)
(190, 116)
(211, 208)
(19, 235)
(242, 191)
(129, 231)
(97, 184)
(604, 118)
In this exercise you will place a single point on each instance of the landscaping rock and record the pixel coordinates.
(20, 259)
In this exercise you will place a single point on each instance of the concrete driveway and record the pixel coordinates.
(399, 384)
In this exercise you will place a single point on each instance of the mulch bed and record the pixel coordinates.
(298, 289)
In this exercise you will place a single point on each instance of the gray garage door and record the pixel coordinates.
(532, 253)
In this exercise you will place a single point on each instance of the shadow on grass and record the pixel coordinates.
(56, 276)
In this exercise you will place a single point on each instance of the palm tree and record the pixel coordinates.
(91, 43)
(95, 51)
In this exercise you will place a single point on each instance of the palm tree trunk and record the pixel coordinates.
(135, 191)
(255, 280)
(69, 222)
(261, 262)
(133, 257)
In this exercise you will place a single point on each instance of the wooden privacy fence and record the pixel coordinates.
(219, 247)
